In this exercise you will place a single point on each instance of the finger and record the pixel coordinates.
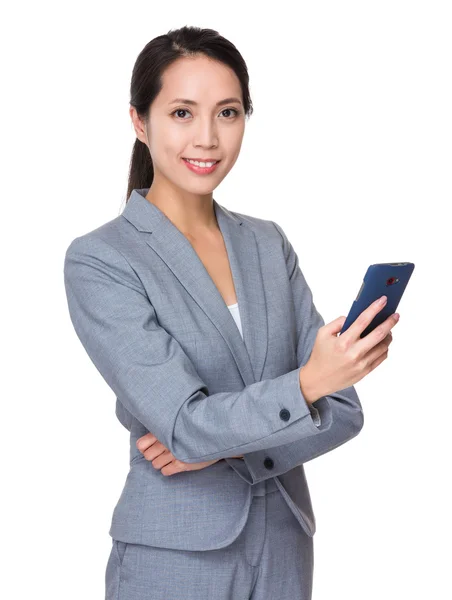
(364, 345)
(145, 441)
(155, 450)
(162, 460)
(175, 466)
(363, 320)
(377, 362)
(375, 353)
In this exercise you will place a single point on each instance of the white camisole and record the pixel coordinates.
(234, 309)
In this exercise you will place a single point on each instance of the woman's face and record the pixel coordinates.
(178, 129)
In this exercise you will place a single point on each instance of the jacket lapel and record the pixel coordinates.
(176, 251)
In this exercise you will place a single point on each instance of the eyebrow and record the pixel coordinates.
(220, 103)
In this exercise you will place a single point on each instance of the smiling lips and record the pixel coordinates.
(199, 169)
(210, 160)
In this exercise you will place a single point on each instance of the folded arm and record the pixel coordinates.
(155, 380)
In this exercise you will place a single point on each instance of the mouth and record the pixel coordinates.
(201, 170)
(200, 160)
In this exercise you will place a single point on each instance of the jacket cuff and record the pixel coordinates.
(271, 462)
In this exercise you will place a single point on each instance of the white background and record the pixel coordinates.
(349, 150)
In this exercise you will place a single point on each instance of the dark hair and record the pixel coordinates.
(146, 82)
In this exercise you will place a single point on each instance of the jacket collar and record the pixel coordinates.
(176, 251)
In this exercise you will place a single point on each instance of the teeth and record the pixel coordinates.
(201, 164)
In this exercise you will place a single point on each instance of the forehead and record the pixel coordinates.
(201, 79)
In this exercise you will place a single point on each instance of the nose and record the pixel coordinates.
(206, 134)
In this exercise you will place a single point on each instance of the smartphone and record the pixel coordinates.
(381, 279)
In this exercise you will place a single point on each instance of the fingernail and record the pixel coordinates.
(396, 316)
(382, 300)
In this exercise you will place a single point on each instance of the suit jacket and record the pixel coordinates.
(157, 329)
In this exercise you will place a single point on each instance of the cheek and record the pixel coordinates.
(232, 155)
(232, 142)
(167, 141)
(174, 138)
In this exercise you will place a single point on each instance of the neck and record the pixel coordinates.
(192, 214)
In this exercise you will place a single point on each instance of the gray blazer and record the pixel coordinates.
(157, 329)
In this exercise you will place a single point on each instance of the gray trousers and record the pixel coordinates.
(272, 558)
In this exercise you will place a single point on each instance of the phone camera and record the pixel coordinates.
(392, 280)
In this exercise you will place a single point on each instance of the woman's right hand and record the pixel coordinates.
(337, 362)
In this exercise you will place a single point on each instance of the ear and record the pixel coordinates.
(138, 125)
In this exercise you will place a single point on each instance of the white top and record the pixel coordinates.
(234, 309)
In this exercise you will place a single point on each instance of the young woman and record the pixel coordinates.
(202, 323)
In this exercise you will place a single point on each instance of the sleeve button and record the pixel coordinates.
(284, 414)
(268, 463)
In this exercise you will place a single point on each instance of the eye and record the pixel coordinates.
(179, 110)
(184, 110)
(233, 109)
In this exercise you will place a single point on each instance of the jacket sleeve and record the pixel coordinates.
(340, 414)
(155, 380)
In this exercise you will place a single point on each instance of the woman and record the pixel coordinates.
(201, 322)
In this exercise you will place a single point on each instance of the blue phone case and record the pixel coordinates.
(388, 279)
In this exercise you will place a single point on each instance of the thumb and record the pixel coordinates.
(336, 325)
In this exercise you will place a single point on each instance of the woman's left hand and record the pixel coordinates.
(162, 458)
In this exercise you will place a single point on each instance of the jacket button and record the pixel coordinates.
(284, 414)
(268, 463)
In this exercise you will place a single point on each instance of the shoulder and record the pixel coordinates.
(95, 260)
(103, 251)
(112, 237)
